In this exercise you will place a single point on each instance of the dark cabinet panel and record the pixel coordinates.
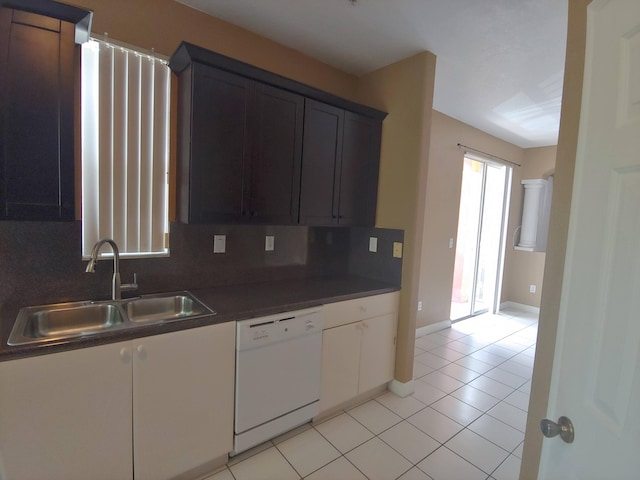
(274, 191)
(215, 149)
(36, 117)
(257, 147)
(241, 144)
(321, 157)
(359, 170)
(341, 153)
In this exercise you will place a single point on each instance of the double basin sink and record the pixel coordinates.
(61, 321)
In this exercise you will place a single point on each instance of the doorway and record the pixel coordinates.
(480, 241)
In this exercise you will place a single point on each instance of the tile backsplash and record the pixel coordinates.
(40, 262)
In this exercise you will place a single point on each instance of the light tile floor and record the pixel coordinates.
(465, 420)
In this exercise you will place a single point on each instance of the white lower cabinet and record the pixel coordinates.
(66, 416)
(151, 408)
(358, 354)
(183, 391)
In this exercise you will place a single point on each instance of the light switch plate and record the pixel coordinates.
(373, 244)
(219, 243)
(397, 250)
(269, 243)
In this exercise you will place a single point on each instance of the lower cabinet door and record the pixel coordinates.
(183, 386)
(377, 351)
(340, 364)
(67, 416)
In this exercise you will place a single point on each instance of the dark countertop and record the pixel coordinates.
(231, 303)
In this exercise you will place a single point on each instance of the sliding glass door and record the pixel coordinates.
(480, 240)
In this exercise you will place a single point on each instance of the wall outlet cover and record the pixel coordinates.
(419, 306)
(397, 249)
(373, 244)
(532, 289)
(219, 243)
(269, 243)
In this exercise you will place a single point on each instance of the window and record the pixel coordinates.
(125, 149)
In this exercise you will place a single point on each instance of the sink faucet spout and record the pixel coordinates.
(116, 286)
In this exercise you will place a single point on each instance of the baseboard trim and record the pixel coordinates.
(519, 306)
(434, 327)
(401, 389)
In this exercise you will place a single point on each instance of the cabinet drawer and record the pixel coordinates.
(342, 313)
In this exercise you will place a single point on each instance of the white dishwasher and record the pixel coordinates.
(278, 374)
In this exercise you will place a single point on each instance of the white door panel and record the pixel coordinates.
(596, 374)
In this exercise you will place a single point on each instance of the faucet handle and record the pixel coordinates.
(126, 287)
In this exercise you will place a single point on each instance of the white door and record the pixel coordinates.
(596, 374)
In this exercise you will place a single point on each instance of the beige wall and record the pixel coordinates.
(163, 24)
(442, 205)
(405, 90)
(523, 269)
(560, 209)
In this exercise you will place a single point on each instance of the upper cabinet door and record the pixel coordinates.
(215, 147)
(274, 190)
(36, 117)
(255, 147)
(321, 157)
(359, 170)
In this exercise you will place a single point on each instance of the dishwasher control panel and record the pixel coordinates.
(256, 332)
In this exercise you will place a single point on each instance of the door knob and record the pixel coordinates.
(564, 428)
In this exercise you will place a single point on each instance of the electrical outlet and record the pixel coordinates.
(532, 289)
(397, 250)
(269, 243)
(373, 244)
(451, 242)
(419, 306)
(219, 243)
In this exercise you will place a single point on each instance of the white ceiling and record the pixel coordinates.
(499, 64)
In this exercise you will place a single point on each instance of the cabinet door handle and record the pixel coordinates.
(142, 352)
(125, 354)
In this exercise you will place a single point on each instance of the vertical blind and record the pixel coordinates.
(125, 149)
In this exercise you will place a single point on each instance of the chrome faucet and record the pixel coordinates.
(116, 286)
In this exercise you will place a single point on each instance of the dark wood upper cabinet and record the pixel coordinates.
(37, 81)
(214, 144)
(274, 190)
(341, 153)
(359, 170)
(257, 147)
(240, 149)
(321, 158)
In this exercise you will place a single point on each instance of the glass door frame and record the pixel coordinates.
(497, 287)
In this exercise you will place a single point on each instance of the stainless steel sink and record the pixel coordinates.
(72, 321)
(162, 308)
(46, 323)
(50, 323)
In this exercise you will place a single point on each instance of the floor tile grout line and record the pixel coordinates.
(491, 441)
(469, 461)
